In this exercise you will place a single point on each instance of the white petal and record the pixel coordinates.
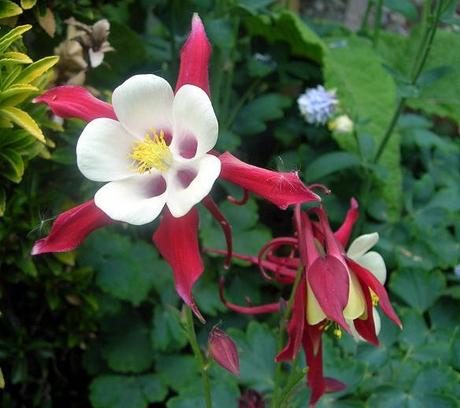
(143, 103)
(181, 199)
(137, 200)
(377, 321)
(103, 151)
(362, 244)
(375, 264)
(195, 123)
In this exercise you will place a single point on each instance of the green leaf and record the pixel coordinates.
(22, 119)
(287, 26)
(254, 5)
(38, 68)
(167, 332)
(220, 33)
(370, 96)
(441, 97)
(116, 391)
(9, 9)
(15, 57)
(28, 4)
(254, 115)
(16, 94)
(257, 351)
(15, 170)
(223, 394)
(330, 163)
(125, 269)
(12, 36)
(178, 371)
(127, 348)
(419, 289)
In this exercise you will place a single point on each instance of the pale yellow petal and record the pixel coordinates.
(314, 312)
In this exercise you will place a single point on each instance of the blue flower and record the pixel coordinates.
(317, 105)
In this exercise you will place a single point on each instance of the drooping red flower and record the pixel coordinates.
(338, 289)
(160, 158)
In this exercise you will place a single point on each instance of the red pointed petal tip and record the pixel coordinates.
(313, 347)
(71, 228)
(75, 102)
(223, 350)
(344, 232)
(194, 58)
(296, 325)
(177, 241)
(333, 385)
(370, 281)
(366, 327)
(281, 188)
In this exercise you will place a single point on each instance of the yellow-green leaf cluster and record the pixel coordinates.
(20, 79)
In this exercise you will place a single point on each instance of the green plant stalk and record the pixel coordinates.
(282, 327)
(378, 21)
(424, 50)
(200, 359)
(241, 102)
(293, 380)
(365, 21)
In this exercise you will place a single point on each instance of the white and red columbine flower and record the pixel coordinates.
(152, 147)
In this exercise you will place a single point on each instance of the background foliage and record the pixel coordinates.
(102, 326)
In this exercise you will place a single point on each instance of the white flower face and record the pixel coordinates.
(155, 154)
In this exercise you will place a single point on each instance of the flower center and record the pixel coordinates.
(152, 153)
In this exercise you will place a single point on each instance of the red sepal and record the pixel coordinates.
(370, 281)
(313, 347)
(281, 188)
(71, 228)
(344, 232)
(366, 327)
(296, 325)
(177, 241)
(70, 101)
(194, 58)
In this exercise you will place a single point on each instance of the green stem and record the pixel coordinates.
(282, 327)
(241, 102)
(424, 50)
(429, 42)
(292, 383)
(201, 361)
(390, 129)
(366, 16)
(378, 21)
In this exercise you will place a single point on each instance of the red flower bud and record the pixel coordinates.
(223, 350)
(251, 399)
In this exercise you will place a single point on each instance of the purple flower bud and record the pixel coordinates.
(223, 350)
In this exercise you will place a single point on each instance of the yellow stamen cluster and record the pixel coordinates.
(337, 333)
(375, 298)
(151, 153)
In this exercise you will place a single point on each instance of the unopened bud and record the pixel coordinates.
(223, 351)
(341, 124)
